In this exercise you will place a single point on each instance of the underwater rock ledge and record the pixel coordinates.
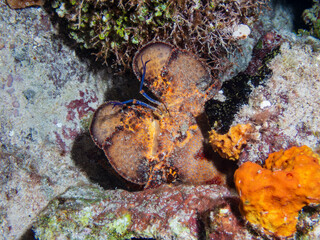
(180, 212)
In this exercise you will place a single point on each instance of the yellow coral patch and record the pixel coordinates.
(229, 145)
(272, 196)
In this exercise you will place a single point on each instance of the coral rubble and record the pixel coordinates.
(272, 196)
(45, 94)
(229, 145)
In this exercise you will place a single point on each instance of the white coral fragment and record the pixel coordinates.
(241, 31)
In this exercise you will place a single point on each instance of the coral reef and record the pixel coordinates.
(48, 96)
(120, 28)
(148, 145)
(229, 145)
(272, 196)
(163, 213)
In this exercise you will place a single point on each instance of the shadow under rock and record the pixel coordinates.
(296, 7)
(28, 235)
(92, 160)
(63, 35)
(125, 86)
(223, 165)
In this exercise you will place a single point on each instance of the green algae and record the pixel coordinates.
(119, 227)
(178, 228)
(118, 29)
(311, 17)
(86, 121)
(89, 212)
(76, 214)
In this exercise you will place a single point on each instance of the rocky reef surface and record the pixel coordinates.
(46, 96)
(48, 93)
(183, 212)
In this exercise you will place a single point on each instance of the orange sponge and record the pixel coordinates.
(272, 196)
(230, 144)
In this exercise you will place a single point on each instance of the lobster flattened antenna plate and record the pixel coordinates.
(131, 144)
(189, 79)
(128, 157)
(158, 54)
(104, 122)
(189, 71)
(193, 166)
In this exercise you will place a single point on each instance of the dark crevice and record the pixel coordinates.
(296, 7)
(237, 91)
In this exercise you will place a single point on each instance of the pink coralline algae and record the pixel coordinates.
(81, 106)
(11, 99)
(61, 144)
(77, 110)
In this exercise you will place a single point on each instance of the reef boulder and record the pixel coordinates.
(168, 212)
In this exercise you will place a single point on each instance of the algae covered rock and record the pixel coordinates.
(311, 16)
(121, 27)
(88, 212)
